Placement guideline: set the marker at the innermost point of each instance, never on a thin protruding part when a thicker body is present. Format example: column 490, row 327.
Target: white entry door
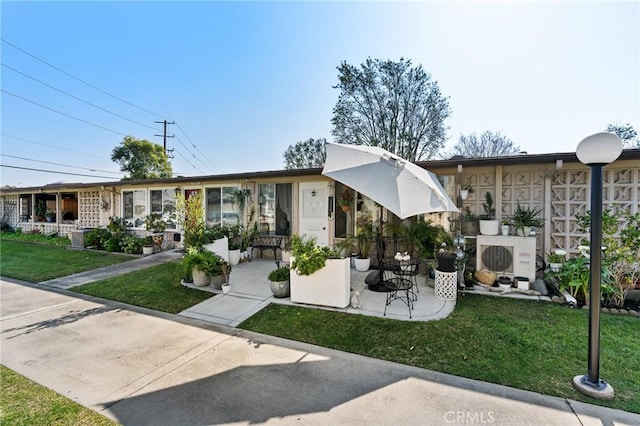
column 313, row 211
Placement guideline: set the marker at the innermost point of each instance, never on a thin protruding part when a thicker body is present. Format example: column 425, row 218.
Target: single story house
column 304, row 201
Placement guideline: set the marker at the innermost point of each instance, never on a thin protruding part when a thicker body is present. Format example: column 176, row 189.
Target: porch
column 250, row 292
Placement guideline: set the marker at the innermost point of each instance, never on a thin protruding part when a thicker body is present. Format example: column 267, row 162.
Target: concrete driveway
column 140, row 367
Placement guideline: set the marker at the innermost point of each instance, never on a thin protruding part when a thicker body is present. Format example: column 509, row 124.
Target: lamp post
column 596, row 151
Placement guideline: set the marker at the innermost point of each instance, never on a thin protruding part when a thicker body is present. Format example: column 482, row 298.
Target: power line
column 77, row 98
column 60, row 164
column 54, row 171
column 51, row 146
column 63, row 113
column 188, row 162
column 79, row 79
column 192, row 154
column 202, row 153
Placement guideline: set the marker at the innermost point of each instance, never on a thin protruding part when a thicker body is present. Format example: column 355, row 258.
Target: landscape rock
column 540, row 286
column 557, row 299
column 634, row 313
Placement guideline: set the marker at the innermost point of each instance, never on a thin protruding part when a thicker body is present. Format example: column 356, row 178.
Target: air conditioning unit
column 507, row 255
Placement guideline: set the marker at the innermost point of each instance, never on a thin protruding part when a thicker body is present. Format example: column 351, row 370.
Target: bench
column 266, row 242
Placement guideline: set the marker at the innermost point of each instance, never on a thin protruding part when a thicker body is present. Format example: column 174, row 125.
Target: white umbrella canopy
column 399, row 185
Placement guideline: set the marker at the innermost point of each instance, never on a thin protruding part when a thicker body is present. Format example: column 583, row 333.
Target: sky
column 245, row 80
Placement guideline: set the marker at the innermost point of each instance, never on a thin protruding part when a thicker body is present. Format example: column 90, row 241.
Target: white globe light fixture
column 601, row 148
column 596, row 151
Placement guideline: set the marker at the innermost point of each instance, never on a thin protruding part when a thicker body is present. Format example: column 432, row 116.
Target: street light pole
column 596, row 151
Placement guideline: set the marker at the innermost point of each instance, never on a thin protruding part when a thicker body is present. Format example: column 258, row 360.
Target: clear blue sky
column 246, row 80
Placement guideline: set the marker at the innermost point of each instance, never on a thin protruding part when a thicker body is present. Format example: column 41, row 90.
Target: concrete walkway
column 141, row 367
column 112, row 270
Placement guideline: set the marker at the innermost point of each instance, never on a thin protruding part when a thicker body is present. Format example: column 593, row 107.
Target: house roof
column 569, row 157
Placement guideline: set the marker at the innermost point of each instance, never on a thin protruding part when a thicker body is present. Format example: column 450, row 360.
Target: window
column 163, row 202
column 25, row 207
column 274, row 203
column 221, row 209
column 134, row 207
column 347, row 220
column 69, row 203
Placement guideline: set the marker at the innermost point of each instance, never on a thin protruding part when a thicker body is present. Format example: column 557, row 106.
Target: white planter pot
column 286, row 256
column 362, row 265
column 330, row 286
column 226, row 288
column 219, row 247
column 523, row 232
column 555, row 267
column 505, row 229
column 200, row 279
column 234, row 257
column 489, row 227
column 244, row 254
column 464, row 194
column 146, row 251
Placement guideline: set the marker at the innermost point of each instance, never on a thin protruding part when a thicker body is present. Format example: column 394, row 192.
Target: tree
column 305, row 154
column 489, row 144
column 141, row 159
column 391, row 105
column 626, row 133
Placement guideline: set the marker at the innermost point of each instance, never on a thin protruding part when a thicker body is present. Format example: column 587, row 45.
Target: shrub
column 114, row 243
column 280, row 274
column 308, row 256
column 131, row 244
column 97, row 238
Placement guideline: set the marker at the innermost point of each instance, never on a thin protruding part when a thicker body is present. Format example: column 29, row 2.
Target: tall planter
column 234, row 257
column 329, row 286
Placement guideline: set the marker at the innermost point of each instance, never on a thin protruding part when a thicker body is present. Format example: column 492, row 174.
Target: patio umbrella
column 397, row 184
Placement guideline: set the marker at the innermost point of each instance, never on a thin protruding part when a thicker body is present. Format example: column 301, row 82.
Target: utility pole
column 165, row 136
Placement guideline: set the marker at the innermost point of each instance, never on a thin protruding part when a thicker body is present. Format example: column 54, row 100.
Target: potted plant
column 468, row 222
column 466, row 189
column 235, row 244
column 318, row 275
column 147, row 246
column 365, row 235
column 49, row 215
column 345, row 200
column 279, row 279
column 285, row 250
column 556, row 259
column 524, row 218
column 225, row 271
column 41, row 209
column 488, row 223
column 446, row 259
column 199, row 266
column 504, row 227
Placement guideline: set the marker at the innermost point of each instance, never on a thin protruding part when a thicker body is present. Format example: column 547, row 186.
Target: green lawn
column 39, row 262
column 23, row 402
column 155, row 288
column 528, row 345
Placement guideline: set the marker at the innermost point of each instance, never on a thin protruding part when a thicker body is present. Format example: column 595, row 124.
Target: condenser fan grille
column 497, row 258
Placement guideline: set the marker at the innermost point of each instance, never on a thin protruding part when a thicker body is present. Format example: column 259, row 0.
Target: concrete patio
column 250, row 292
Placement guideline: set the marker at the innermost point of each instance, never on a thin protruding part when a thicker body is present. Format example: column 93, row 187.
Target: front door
column 313, row 211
